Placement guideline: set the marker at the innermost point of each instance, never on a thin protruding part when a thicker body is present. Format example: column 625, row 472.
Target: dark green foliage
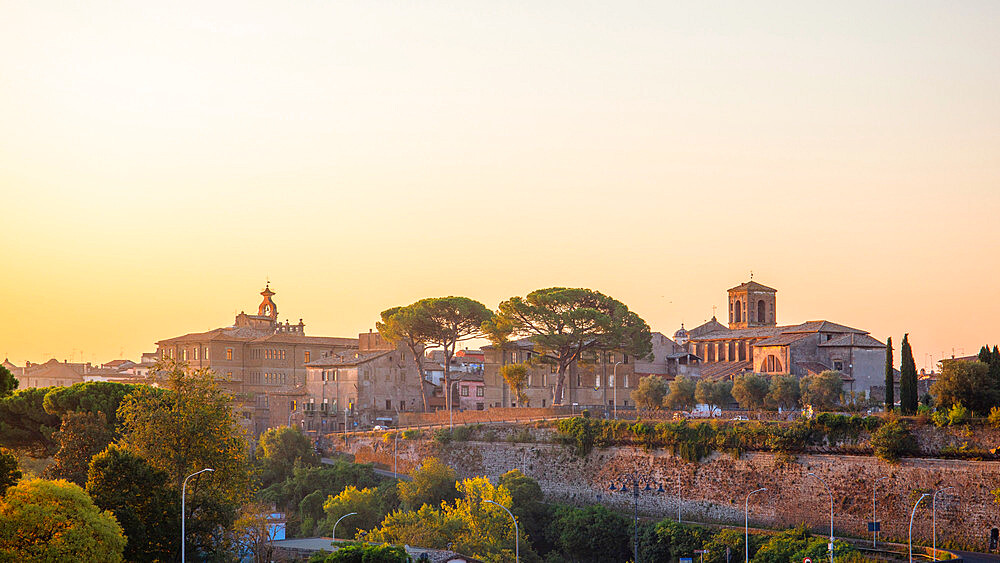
column 695, row 440
column 890, row 377
column 318, row 483
column 907, row 379
column 361, row 553
column 81, row 436
column 683, row 539
column 9, row 472
column 751, row 390
column 894, row 440
column 141, row 500
column 280, row 449
column 967, row 383
column 735, row 542
column 8, row 383
column 532, row 515
column 24, row 424
column 92, row 396
column 592, row 534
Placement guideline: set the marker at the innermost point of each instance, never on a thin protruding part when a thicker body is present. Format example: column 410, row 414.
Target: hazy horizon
column 159, row 162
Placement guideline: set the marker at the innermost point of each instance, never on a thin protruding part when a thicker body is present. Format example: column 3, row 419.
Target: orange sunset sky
column 158, row 161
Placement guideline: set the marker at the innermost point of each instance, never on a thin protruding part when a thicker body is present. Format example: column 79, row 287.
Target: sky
column 160, row 161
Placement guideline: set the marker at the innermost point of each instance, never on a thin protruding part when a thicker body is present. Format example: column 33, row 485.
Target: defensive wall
column 714, row 489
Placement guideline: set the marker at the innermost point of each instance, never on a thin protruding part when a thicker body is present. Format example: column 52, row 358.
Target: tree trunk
column 420, row 373
column 560, row 383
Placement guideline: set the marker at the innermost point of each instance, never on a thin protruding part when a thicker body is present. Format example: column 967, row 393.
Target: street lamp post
column 614, row 387
column 934, row 516
column 183, row 500
column 334, row 534
column 831, row 512
column 632, row 481
column 517, row 537
column 912, row 512
column 746, row 521
column 874, row 518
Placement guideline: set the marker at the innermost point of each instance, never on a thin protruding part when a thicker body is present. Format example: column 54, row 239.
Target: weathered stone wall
column 714, row 489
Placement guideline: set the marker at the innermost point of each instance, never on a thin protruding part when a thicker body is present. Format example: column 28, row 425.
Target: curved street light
column 934, row 516
column 517, row 537
column 874, row 518
column 831, row 512
column 746, row 521
column 334, row 533
column 912, row 512
column 183, row 495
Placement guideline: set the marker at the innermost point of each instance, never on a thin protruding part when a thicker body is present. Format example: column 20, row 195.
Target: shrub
column 893, row 440
column 958, row 414
column 522, row 437
column 994, row 418
column 461, row 433
column 412, row 434
column 442, row 436
column 940, row 418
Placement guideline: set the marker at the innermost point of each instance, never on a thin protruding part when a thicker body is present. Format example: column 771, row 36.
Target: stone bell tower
column 267, row 307
column 752, row 305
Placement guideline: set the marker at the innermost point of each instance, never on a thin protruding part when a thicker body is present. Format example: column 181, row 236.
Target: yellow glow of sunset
column 159, row 161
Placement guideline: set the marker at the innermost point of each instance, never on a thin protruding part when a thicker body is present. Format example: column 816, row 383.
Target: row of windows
column 609, row 358
column 267, row 378
column 198, row 353
column 480, row 391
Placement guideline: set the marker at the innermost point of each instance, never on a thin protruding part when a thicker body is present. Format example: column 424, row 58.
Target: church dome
column 681, row 333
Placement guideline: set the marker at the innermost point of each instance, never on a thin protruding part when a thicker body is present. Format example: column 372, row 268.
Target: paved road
column 972, row 557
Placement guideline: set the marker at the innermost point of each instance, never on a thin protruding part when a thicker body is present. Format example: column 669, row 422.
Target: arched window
column 772, row 364
column 738, row 311
column 760, row 311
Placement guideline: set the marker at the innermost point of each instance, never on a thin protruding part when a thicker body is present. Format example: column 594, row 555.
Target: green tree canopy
column 81, row 436
column 784, row 392
column 907, row 378
column 189, row 427
column 24, row 424
column 751, row 390
column 366, row 503
column 280, row 448
column 681, row 395
column 822, row 391
column 715, row 394
column 650, row 393
column 92, row 396
column 142, row 500
column 566, row 322
column 448, row 321
column 10, row 474
column 968, row 383
column 405, row 325
column 432, row 483
column 8, row 383
column 56, row 521
column 592, row 534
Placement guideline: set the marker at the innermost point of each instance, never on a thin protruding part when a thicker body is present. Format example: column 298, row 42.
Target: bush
column 958, row 414
column 461, row 433
column 412, row 434
column 893, row 440
column 939, row 418
column 442, row 436
column 994, row 418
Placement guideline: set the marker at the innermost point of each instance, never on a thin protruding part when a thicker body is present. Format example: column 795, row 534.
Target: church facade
column 754, row 342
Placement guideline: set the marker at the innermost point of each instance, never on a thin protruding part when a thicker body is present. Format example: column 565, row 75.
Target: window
column 760, row 311
column 388, row 404
column 625, row 358
column 839, row 366
column 465, row 391
column 738, row 312
column 828, row 337
column 479, row 406
column 307, row 356
column 771, row 364
column 195, row 351
column 184, row 355
column 611, row 358
column 229, row 353
column 513, row 357
column 479, row 391
column 402, row 405
column 206, row 352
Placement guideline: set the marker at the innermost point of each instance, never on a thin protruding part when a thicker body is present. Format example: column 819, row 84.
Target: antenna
column 751, row 275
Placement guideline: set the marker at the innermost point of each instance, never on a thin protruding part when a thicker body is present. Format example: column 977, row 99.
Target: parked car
column 379, row 428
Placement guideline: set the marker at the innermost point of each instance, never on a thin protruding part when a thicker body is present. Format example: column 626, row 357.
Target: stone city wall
column 714, row 489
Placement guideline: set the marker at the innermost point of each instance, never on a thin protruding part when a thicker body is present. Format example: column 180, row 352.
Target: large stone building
column 360, row 388
column 257, row 357
column 54, row 373
column 754, row 342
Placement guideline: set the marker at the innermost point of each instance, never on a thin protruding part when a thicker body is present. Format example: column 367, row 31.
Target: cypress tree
column 890, row 383
column 985, row 356
column 907, row 379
